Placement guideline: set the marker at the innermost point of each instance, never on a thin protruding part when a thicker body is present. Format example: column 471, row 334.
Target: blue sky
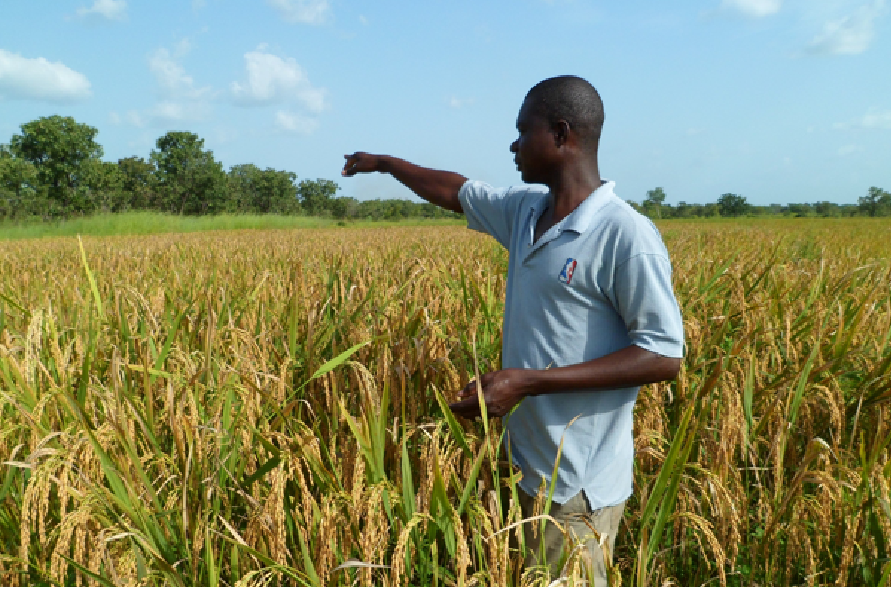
column 778, row 100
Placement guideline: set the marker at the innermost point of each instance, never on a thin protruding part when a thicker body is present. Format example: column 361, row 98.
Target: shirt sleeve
column 646, row 303
column 490, row 210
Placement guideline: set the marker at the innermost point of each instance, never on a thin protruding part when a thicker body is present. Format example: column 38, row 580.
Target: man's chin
column 528, row 178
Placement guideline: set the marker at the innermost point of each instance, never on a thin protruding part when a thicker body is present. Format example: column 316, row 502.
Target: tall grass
column 271, row 408
column 152, row 223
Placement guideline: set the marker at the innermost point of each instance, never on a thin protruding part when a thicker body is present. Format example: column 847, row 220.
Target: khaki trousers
column 577, row 519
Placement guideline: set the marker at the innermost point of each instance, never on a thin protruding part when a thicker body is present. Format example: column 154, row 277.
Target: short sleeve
column 646, row 303
column 490, row 210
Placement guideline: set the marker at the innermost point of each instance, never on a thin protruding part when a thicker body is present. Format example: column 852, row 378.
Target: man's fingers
column 349, row 166
column 468, row 408
column 468, row 390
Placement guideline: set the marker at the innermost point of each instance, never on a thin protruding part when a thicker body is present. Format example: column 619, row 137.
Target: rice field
column 270, row 408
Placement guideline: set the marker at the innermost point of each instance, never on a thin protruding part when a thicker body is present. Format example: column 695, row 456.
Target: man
column 589, row 314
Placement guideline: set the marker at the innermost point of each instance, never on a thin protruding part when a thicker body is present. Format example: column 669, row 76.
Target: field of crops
column 262, row 407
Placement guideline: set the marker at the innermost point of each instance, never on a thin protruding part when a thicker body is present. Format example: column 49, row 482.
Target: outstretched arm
column 631, row 366
column 435, row 186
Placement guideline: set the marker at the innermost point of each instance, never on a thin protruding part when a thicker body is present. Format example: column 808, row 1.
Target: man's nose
column 513, row 147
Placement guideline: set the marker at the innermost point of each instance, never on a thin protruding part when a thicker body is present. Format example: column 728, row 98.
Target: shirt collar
column 580, row 219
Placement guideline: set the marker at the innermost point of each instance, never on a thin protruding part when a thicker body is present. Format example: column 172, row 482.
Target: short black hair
column 572, row 99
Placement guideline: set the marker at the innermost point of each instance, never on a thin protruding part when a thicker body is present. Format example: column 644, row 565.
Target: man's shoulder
column 479, row 188
column 630, row 232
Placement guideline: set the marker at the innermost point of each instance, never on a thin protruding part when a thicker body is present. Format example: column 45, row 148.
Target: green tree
column 315, row 195
column 252, row 190
column 732, row 205
column 20, row 192
column 799, row 209
column 876, row 203
column 106, row 187
column 652, row 205
column 345, row 207
column 827, row 209
column 190, row 180
column 62, row 151
column 139, row 182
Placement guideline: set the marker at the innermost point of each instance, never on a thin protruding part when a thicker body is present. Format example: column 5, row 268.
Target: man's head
column 558, row 113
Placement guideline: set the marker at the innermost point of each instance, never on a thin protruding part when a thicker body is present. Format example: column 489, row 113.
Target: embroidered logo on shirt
column 568, row 269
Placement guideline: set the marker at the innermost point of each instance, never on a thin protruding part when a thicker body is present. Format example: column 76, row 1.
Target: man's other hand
column 361, row 162
column 502, row 390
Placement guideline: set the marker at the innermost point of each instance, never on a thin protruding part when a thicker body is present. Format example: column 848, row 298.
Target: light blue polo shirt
column 596, row 282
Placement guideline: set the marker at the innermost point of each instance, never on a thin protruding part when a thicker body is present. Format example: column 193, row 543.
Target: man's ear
column 561, row 133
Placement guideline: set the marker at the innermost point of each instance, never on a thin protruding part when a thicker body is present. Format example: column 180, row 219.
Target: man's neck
column 572, row 187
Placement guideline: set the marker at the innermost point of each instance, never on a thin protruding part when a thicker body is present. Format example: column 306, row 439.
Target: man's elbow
column 669, row 368
column 659, row 368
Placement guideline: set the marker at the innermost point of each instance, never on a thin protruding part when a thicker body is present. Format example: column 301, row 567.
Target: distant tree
column 191, row 181
column 827, row 209
column 652, row 205
column 19, row 188
column 315, row 195
column 876, row 203
column 710, row 210
column 799, row 209
column 105, row 183
column 61, row 150
column 732, row 205
column 345, row 207
column 139, row 182
column 16, row 174
column 262, row 191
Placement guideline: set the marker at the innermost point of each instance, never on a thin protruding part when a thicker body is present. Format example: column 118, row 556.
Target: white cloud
column 109, row 9
column 168, row 112
column 848, row 150
column 114, row 117
column 180, row 98
column 171, row 76
column 456, row 102
column 182, row 48
column 363, row 20
column 753, row 8
column 272, row 79
column 40, row 79
column 198, row 4
column 310, row 12
column 295, row 123
column 876, row 119
column 135, row 119
column 873, row 119
column 850, row 35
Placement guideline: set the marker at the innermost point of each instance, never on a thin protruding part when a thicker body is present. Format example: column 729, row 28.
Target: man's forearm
column 435, row 186
column 631, row 366
column 503, row 389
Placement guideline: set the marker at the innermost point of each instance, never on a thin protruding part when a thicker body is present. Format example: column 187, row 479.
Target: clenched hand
column 502, row 390
column 360, row 162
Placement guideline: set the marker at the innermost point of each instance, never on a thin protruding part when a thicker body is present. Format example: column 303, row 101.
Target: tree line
column 54, row 169
column 876, row 203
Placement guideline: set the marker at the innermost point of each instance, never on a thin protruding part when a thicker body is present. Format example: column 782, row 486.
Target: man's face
column 535, row 149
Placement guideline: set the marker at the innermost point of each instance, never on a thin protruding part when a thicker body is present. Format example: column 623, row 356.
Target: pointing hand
column 360, row 162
